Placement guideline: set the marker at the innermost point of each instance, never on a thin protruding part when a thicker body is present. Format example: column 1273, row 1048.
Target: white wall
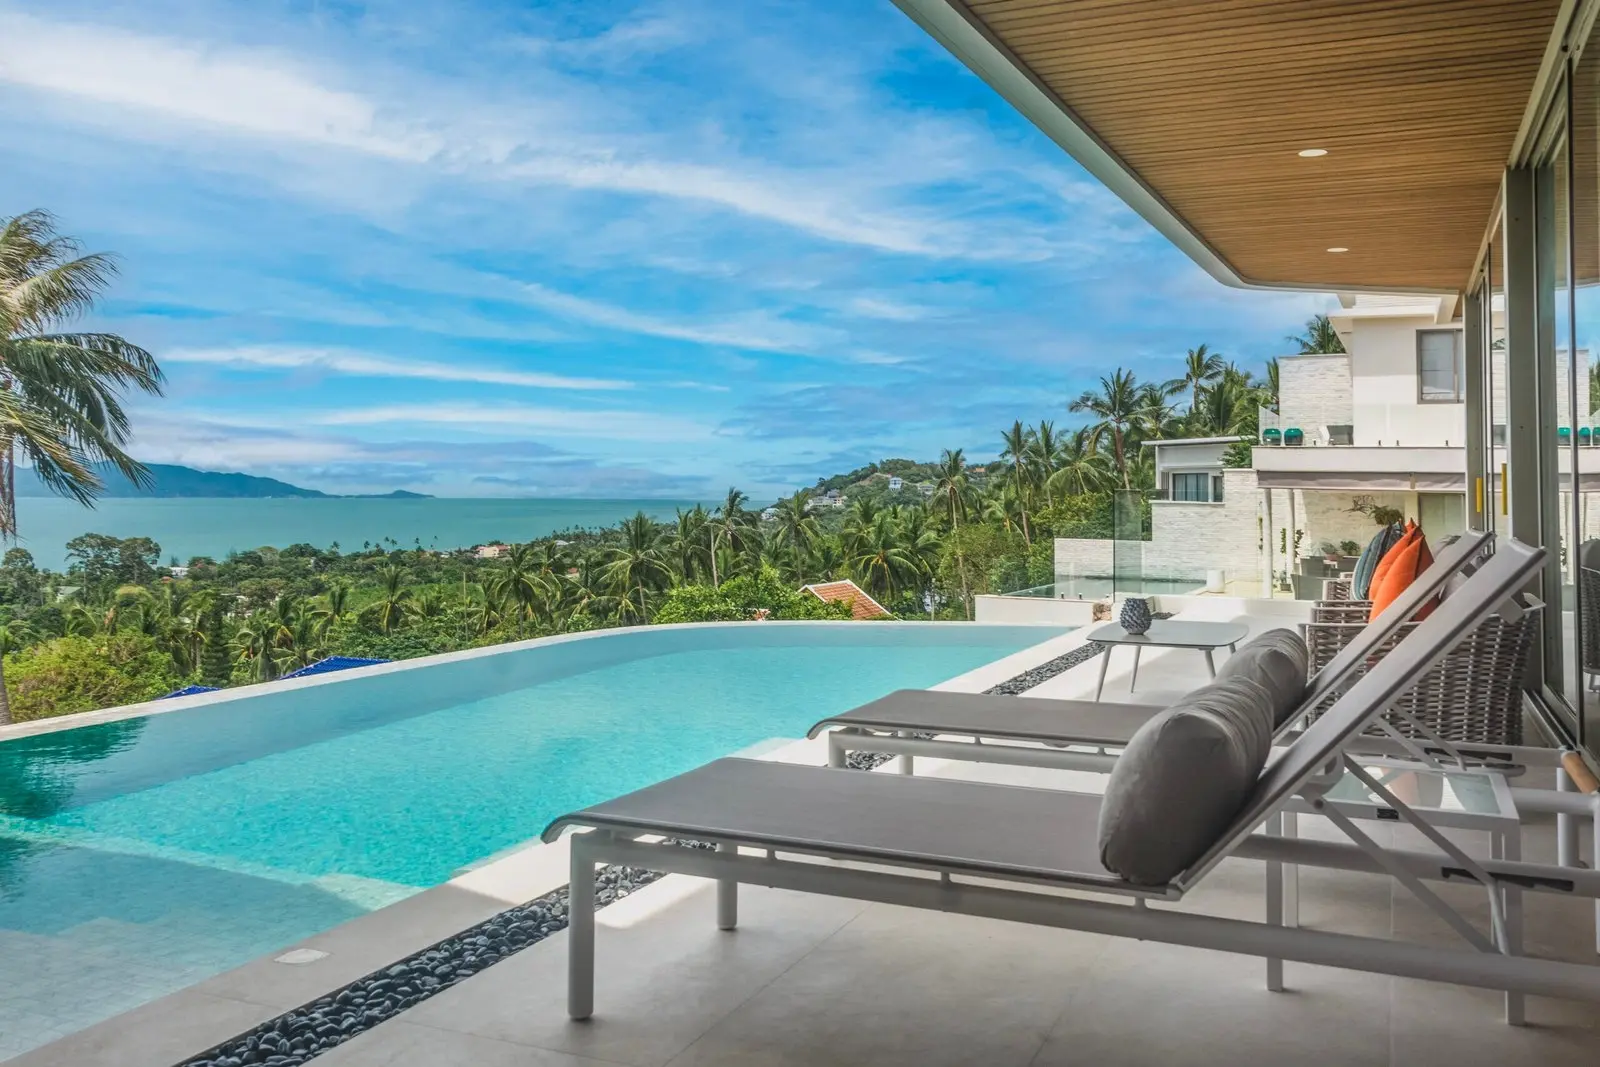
column 1325, row 515
column 1384, row 388
column 1027, row 609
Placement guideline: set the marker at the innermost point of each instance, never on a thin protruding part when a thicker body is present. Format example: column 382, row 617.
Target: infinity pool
column 142, row 855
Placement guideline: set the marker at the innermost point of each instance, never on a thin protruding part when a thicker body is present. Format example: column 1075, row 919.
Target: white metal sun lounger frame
column 1306, row 769
column 1461, row 557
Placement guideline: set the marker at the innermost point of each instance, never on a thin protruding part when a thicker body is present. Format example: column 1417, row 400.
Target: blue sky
column 582, row 248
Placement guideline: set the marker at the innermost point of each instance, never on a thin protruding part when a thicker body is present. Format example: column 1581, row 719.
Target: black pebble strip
column 312, row 1029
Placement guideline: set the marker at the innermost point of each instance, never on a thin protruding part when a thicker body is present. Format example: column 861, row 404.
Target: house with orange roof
column 862, row 606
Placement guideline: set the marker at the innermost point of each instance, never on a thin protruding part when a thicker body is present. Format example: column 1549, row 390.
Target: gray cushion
column 1367, row 563
column 1278, row 659
column 1183, row 777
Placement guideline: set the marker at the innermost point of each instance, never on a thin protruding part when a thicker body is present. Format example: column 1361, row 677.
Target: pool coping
column 187, row 1021
column 165, row 705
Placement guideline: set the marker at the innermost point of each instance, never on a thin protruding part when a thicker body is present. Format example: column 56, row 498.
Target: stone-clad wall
column 1314, row 391
column 1187, row 539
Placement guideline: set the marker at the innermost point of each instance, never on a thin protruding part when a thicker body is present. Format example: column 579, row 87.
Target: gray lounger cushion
column 1183, row 778
column 1278, row 659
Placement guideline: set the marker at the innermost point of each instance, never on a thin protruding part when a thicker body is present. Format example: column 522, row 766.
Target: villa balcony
column 812, row 980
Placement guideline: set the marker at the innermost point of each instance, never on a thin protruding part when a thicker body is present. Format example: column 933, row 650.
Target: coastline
column 214, row 526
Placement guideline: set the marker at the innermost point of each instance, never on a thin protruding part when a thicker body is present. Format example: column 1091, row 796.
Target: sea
column 186, row 527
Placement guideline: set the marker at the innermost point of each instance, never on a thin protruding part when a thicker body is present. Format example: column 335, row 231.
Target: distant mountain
column 175, row 481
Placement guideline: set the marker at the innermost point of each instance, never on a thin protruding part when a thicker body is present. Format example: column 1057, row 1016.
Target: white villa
column 1382, row 424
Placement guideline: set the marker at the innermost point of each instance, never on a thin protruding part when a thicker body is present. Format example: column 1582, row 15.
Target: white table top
column 1174, row 633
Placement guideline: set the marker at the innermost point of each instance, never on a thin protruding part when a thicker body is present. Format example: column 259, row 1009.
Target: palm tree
column 635, row 567
column 881, row 559
column 391, row 606
column 1116, row 406
column 727, row 524
column 1018, row 443
column 1046, row 451
column 687, row 546
column 488, row 610
column 14, row 635
column 253, row 641
column 796, row 528
column 858, row 520
column 1320, row 337
column 1201, row 367
column 952, row 492
column 1156, row 418
column 517, row 584
column 336, row 604
column 1082, row 466
column 60, row 393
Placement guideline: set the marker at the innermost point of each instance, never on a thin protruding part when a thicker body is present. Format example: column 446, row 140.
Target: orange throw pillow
column 1413, row 559
column 1381, row 572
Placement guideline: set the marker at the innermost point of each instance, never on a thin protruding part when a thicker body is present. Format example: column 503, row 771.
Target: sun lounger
column 890, row 723
column 1000, row 851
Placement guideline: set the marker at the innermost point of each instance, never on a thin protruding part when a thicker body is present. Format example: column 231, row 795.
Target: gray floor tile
column 402, row 1044
column 902, row 987
column 660, row 983
column 1158, row 1005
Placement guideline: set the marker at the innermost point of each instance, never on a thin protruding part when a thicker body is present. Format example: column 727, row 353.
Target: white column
column 1268, row 533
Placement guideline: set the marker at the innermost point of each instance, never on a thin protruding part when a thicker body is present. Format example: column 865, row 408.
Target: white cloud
column 255, row 92
column 757, row 331
column 404, row 119
column 877, row 307
column 346, row 361
column 547, row 421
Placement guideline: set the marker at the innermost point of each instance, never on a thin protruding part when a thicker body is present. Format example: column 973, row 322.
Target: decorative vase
column 1135, row 615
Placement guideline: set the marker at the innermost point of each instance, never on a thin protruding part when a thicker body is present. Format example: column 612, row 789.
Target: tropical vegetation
column 921, row 538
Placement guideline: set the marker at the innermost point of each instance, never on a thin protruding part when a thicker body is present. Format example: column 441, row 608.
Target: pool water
column 140, row 856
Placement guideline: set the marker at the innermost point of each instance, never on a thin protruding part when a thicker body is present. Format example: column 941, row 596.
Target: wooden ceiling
column 1418, row 103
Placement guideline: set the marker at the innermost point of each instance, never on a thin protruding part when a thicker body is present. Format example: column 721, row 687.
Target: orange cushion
column 1382, row 570
column 1414, row 558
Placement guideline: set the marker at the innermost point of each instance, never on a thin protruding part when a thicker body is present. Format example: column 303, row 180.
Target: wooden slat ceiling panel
column 1208, row 101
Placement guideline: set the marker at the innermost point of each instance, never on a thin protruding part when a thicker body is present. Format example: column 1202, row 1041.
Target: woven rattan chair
column 1589, row 599
column 1474, row 695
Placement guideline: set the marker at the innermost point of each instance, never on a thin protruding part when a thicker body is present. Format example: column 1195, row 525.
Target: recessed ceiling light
column 1312, row 153
column 1338, row 248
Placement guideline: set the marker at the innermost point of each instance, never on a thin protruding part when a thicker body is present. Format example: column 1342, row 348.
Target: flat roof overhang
column 1194, row 111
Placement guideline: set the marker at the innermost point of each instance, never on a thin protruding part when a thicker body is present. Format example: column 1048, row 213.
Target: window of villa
column 1216, row 488
column 1441, row 367
column 1193, row 487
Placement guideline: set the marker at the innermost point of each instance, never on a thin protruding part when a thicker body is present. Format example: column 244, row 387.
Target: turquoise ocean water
column 207, row 527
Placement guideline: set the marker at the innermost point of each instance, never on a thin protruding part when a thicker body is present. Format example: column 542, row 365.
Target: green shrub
column 68, row 674
column 743, row 598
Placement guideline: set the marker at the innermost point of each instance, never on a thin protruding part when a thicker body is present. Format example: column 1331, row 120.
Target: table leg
column 1133, row 683
column 1105, row 661
column 1211, row 664
column 1510, row 848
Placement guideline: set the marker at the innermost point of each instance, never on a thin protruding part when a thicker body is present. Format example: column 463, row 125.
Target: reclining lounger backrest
column 1513, row 565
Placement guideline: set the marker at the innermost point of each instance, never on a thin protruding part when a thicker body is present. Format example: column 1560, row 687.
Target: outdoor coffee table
column 1167, row 633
